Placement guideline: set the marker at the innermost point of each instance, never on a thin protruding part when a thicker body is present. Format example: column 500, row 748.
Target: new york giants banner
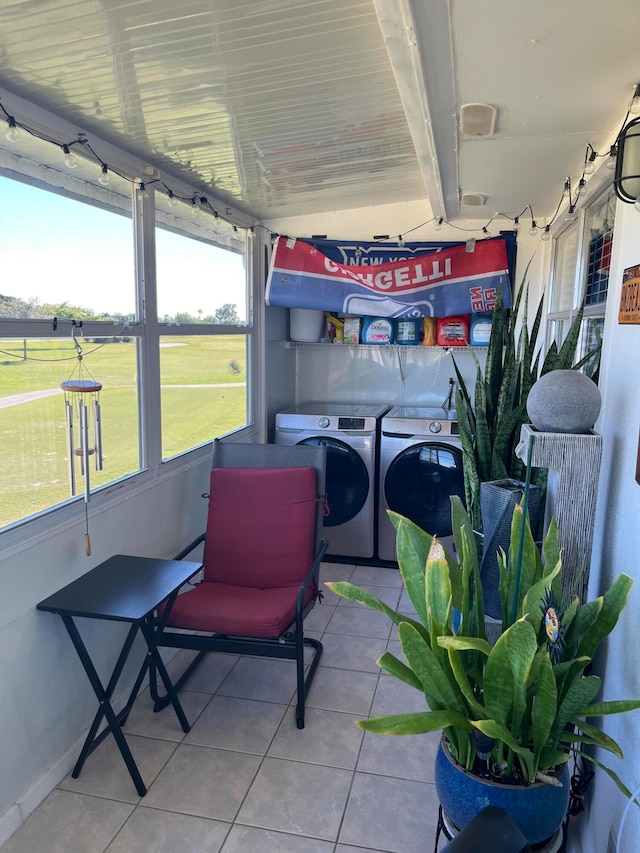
column 439, row 283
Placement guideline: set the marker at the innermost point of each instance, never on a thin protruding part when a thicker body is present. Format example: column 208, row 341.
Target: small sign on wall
column 630, row 297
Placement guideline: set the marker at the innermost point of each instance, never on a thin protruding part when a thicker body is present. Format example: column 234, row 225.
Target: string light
column 199, row 203
column 70, row 160
column 142, row 191
column 590, row 161
column 13, row 133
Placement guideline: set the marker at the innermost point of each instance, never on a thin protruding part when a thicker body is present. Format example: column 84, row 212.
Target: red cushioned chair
column 262, row 553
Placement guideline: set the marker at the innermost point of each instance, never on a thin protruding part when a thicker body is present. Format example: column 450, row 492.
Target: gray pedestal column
column 575, row 457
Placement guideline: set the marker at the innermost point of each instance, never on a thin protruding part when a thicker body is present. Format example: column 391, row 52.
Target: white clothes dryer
column 420, row 467
column 350, row 432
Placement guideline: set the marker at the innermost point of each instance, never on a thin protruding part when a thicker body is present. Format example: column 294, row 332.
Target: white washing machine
column 350, row 432
column 420, row 467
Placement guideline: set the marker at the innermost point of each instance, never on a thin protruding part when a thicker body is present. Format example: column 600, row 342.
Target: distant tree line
column 31, row 309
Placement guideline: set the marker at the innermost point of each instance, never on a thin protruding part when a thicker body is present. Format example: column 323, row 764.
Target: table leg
column 154, row 655
column 104, row 697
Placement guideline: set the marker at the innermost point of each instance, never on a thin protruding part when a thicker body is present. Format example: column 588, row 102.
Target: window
column 581, row 272
column 68, row 259
column 69, row 252
column 202, row 290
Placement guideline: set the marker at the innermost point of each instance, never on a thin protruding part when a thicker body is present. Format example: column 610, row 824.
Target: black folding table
column 122, row 589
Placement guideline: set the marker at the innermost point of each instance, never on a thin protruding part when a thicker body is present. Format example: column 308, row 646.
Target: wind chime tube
column 97, row 434
column 84, row 447
column 70, row 445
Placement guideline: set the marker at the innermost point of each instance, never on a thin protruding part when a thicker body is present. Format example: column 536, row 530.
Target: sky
column 57, row 249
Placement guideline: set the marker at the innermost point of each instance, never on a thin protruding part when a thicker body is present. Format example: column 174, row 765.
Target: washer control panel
column 435, row 427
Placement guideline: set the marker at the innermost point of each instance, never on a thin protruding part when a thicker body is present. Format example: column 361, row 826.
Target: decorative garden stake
column 82, row 403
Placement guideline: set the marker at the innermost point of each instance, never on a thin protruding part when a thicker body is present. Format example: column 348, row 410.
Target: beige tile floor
column 244, row 778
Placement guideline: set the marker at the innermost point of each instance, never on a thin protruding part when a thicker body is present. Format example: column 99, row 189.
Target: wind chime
column 82, row 412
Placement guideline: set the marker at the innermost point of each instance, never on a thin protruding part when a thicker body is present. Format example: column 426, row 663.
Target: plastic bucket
column 306, row 325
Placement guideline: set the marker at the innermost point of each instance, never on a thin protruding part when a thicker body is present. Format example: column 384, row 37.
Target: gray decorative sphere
column 564, row 401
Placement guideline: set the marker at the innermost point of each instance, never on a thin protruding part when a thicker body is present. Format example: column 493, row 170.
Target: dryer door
column 347, row 480
column 419, row 482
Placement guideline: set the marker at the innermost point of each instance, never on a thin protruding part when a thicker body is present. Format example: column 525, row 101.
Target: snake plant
column 530, row 694
column 490, row 425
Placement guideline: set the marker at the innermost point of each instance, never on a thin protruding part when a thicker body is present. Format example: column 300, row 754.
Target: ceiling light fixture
column 627, row 177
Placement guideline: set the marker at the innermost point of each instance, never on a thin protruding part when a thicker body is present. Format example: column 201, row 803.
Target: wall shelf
column 378, row 347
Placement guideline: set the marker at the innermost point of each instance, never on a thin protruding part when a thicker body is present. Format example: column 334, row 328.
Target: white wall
column 617, row 546
column 416, row 375
column 46, row 702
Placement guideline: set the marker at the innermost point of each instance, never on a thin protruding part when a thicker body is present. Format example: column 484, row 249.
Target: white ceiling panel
column 291, row 107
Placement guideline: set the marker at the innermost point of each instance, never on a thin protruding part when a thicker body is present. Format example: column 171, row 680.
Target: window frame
column 559, row 322
column 147, row 330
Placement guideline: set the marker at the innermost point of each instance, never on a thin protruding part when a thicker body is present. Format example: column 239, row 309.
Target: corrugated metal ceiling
column 281, row 107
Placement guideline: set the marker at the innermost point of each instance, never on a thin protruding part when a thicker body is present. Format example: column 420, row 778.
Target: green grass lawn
column 33, row 466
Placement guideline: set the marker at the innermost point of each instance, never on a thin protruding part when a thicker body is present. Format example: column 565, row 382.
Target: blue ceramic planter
column 538, row 809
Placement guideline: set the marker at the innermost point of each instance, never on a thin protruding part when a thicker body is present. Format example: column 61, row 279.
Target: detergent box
column 408, row 331
column 377, row 330
column 351, row 333
column 453, row 331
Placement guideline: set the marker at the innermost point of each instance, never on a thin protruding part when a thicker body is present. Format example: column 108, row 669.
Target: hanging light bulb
column 251, row 234
column 582, row 185
column 438, row 225
column 611, row 159
column 571, row 214
column 70, row 160
column 485, row 231
column 516, row 224
column 173, row 201
column 104, row 177
column 590, row 165
column 216, row 216
column 637, row 205
column 634, row 106
column 142, row 191
column 13, row 132
column 195, row 207
column 534, row 228
column 546, row 234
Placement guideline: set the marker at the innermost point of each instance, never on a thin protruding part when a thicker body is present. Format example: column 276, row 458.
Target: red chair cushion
column 260, row 527
column 223, row 609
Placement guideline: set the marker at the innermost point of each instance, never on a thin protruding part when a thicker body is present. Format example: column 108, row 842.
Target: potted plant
column 512, row 714
column 490, row 424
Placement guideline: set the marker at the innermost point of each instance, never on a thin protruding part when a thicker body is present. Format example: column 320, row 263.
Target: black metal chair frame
column 290, row 645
